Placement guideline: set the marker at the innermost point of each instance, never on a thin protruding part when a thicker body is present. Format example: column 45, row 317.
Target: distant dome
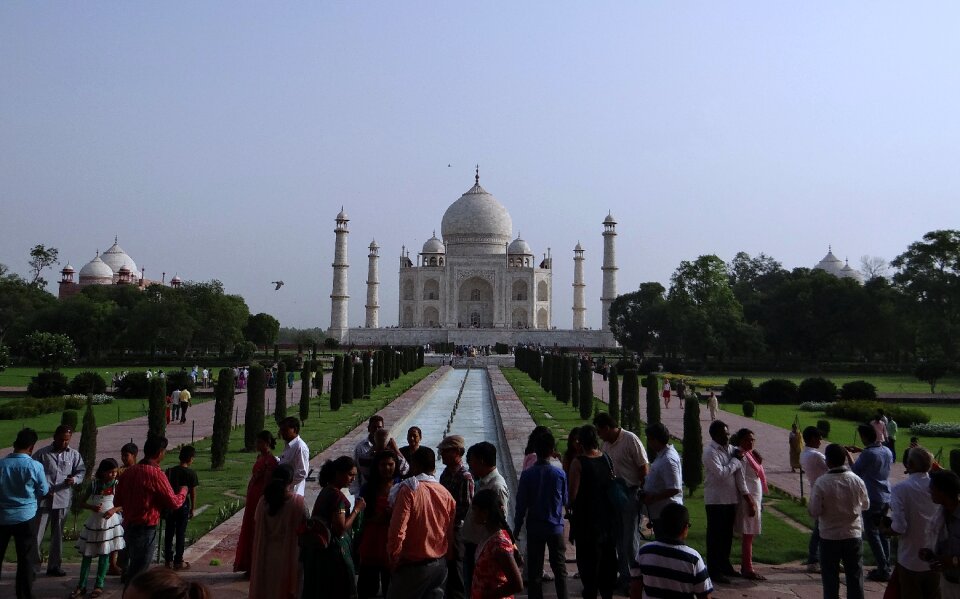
column 116, row 259
column 579, row 247
column 519, row 246
column 477, row 218
column 67, row 269
column 175, row 280
column 830, row 264
column 609, row 220
column 96, row 269
column 433, row 246
column 849, row 273
column 342, row 215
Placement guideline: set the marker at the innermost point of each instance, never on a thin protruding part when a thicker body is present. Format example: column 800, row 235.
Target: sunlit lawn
column 885, row 383
column 779, row 543
column 221, row 492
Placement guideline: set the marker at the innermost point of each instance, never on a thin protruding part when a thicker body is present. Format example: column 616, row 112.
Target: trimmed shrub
column 368, row 373
column 859, row 390
column 631, row 401
column 280, row 409
column 254, row 413
column 70, row 418
column 546, row 376
column 180, row 379
column 223, row 411
column 574, row 382
column 586, row 393
column 692, row 464
column 87, row 382
column 47, row 383
column 563, row 382
column 739, row 390
column 653, row 398
column 501, row 348
column 336, row 383
column 824, row 427
column 814, row 406
column 134, row 385
column 318, row 379
column 88, row 440
column 817, row 389
column 749, row 408
column 157, row 408
column 864, row 411
column 305, row 393
column 358, row 380
column 936, row 429
column 346, row 390
column 614, row 394
column 777, row 391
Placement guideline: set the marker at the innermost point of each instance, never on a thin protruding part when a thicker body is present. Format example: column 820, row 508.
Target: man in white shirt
column 482, row 460
column 364, row 451
column 631, row 464
column 296, row 454
column 175, row 405
column 813, row 465
column 722, row 487
column 914, row 516
column 664, row 482
column 837, row 501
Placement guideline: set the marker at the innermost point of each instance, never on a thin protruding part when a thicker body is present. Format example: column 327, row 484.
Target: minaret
column 373, row 287
column 579, row 308
column 340, row 296
column 609, row 270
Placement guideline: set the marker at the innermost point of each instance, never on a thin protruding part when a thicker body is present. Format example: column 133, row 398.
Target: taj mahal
column 476, row 284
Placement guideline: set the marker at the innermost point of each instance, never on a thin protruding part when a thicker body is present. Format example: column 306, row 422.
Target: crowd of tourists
column 125, row 501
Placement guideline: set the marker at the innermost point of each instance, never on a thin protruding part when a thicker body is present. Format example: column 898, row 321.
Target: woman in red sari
column 262, row 471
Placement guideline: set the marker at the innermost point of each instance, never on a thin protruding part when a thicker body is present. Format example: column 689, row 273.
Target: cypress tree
column 223, row 411
column 305, row 392
column 318, row 378
column 631, row 401
column 395, row 361
column 157, row 408
column 280, row 409
column 563, row 382
column 88, row 438
column 614, row 407
column 691, row 459
column 536, row 368
column 253, row 414
column 276, row 352
column 586, row 392
column 556, row 375
column 574, row 381
column 546, row 377
column 346, row 393
column 367, row 374
column 336, row 385
column 377, row 368
column 653, row 399
column 420, row 357
column 357, row 380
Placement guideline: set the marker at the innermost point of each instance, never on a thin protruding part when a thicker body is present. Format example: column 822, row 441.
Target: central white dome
column 116, row 259
column 477, row 218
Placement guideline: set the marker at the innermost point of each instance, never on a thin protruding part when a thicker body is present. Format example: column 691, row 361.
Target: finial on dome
column 476, row 178
column 829, row 248
column 115, row 240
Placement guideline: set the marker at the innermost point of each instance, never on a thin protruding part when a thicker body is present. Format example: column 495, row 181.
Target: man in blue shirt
column 541, row 497
column 873, row 466
column 22, row 484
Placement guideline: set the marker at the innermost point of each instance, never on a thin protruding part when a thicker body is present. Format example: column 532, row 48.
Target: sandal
column 96, row 593
column 752, row 575
column 77, row 593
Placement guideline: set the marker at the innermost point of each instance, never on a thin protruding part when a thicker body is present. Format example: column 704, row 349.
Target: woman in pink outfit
column 275, row 571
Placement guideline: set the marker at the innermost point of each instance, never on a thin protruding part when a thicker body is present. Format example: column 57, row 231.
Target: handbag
column 617, row 491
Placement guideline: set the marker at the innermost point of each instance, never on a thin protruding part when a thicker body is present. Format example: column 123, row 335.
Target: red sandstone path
column 786, row 581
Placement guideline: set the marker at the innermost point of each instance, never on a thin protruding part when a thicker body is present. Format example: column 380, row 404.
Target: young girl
column 102, row 533
column 496, row 573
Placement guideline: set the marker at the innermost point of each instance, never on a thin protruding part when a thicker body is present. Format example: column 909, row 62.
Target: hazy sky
column 219, row 139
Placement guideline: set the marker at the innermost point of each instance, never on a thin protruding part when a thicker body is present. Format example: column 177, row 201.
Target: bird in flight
column 278, row 284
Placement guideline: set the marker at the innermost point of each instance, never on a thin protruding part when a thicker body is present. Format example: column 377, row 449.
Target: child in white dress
column 103, row 532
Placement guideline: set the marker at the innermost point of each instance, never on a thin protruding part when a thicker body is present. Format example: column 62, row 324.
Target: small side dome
column 176, row 280
column 67, row 269
column 434, row 246
column 519, row 247
column 342, row 215
column 124, row 270
column 609, row 220
column 849, row 273
column 579, row 247
column 96, row 269
column 830, row 263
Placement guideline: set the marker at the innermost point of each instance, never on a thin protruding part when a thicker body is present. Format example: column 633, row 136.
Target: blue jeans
column 141, row 545
column 879, row 544
column 850, row 552
column 628, row 545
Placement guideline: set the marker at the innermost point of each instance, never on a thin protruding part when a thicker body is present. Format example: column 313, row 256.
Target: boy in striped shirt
column 668, row 568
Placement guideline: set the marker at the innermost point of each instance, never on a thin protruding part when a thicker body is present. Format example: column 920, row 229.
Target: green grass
column 885, row 383
column 21, row 375
column 844, row 431
column 223, row 491
column 779, row 543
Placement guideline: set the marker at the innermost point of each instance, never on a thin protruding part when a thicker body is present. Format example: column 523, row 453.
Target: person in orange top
column 421, row 528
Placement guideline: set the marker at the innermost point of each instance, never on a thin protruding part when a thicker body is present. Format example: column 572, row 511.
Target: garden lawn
column 221, row 492
column 20, row 376
column 844, row 431
column 779, row 543
column 885, row 383
column 118, row 411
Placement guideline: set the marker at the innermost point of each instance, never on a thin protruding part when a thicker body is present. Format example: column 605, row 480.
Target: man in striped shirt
column 667, row 567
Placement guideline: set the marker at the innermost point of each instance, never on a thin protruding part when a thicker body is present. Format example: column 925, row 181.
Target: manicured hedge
column 817, row 389
column 858, row 390
column 864, row 411
column 777, row 391
column 739, row 391
column 87, row 382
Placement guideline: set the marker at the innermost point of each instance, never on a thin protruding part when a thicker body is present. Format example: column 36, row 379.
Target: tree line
column 753, row 309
